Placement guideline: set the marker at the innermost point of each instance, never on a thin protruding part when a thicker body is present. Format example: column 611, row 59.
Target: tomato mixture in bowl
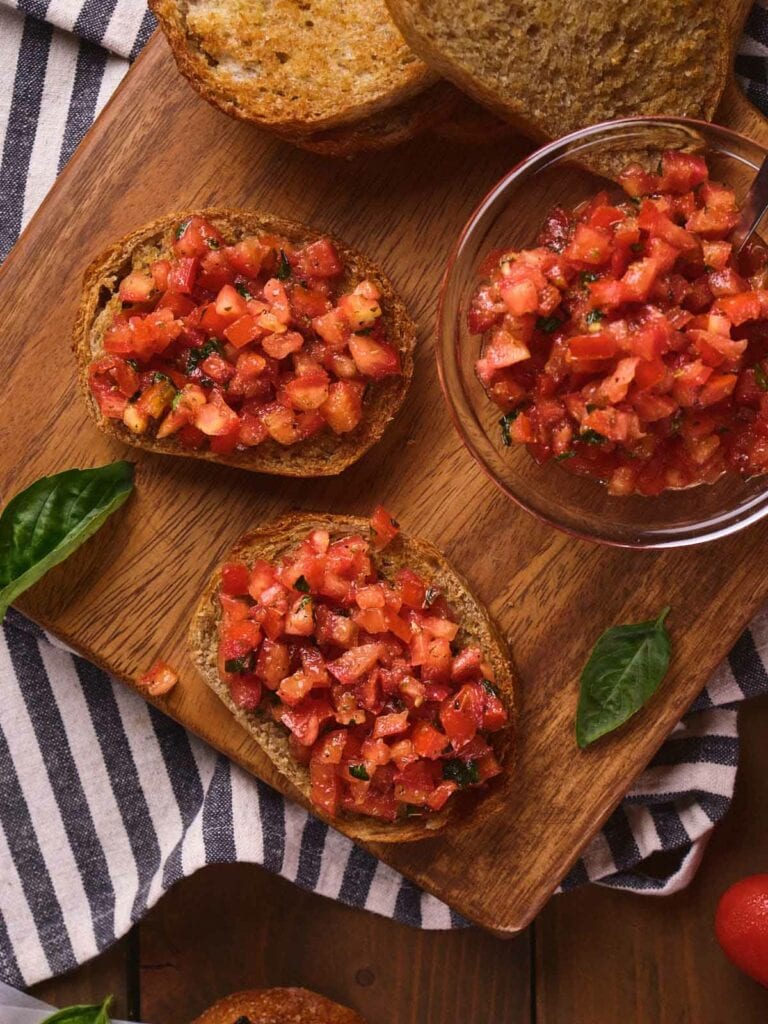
column 390, row 714
column 228, row 345
column 630, row 344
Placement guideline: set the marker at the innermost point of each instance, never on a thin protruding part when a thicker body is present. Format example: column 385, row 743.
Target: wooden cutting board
column 126, row 597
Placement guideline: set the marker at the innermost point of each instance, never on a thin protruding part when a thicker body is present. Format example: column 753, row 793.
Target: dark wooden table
column 592, row 957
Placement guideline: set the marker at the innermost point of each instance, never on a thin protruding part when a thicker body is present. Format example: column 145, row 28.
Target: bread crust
column 310, row 98
column 278, row 1006
column 493, row 56
column 277, row 538
column 325, row 454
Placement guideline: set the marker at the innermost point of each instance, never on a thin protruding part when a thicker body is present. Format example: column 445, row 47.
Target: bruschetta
column 242, row 338
column 361, row 663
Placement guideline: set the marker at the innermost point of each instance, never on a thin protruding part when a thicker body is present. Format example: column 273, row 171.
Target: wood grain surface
column 126, row 597
column 592, row 957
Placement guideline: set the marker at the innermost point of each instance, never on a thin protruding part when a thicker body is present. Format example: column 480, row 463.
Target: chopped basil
column 591, row 437
column 587, row 277
column 364, row 330
column 565, row 455
column 591, row 407
column 358, row 771
column 761, row 378
column 176, row 400
column 132, row 363
column 505, row 422
column 548, row 324
column 302, row 585
column 594, row 316
column 636, row 248
column 432, row 593
column 283, row 267
column 158, row 377
column 489, row 687
column 239, row 665
column 181, row 229
column 464, row 773
column 635, row 200
column 212, row 243
column 708, row 269
column 195, row 356
column 242, row 288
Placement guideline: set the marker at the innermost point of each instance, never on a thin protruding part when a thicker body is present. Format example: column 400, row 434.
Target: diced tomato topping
column 605, row 342
column 360, row 672
column 278, row 346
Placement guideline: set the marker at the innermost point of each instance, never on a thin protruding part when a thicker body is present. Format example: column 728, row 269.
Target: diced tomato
column 138, row 286
column 384, row 527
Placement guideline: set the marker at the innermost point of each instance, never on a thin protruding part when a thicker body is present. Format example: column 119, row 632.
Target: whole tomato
column 741, row 926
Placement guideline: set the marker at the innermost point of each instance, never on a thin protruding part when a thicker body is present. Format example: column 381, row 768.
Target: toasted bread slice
column 551, row 67
column 442, row 108
column 278, row 538
column 388, row 128
column 278, row 1006
column 324, row 454
column 292, row 66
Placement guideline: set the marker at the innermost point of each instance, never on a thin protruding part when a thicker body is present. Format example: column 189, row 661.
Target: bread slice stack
column 339, row 77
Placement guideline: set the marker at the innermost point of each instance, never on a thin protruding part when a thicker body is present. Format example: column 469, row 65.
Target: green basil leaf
column 761, row 378
column 283, row 271
column 624, row 670
column 358, row 771
column 82, row 1014
column 44, row 524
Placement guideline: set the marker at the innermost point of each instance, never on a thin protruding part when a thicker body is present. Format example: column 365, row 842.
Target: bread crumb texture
column 301, row 63
column 556, row 67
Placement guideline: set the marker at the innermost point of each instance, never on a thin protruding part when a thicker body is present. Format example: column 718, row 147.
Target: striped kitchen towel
column 104, row 802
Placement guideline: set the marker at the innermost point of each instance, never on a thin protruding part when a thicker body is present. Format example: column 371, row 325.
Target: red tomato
column 741, row 926
column 384, row 527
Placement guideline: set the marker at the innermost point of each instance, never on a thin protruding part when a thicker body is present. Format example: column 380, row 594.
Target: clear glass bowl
column 511, row 216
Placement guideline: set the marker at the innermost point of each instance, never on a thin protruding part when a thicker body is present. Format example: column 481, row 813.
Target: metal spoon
column 753, row 208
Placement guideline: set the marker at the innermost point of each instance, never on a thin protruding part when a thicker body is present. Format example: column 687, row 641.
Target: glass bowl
column 511, row 216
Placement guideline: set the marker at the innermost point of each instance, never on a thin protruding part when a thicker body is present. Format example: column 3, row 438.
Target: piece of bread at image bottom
column 278, row 1006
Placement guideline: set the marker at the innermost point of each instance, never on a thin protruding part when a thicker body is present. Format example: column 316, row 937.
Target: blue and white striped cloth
column 104, row 802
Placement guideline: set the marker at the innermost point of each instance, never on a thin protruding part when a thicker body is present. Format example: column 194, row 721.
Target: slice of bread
column 277, row 1006
column 389, row 127
column 277, row 538
column 325, row 454
column 293, row 65
column 552, row 67
column 442, row 108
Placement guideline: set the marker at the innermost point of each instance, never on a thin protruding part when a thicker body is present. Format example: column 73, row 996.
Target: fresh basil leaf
column 564, row 456
column 82, row 1014
column 463, row 773
column 594, row 316
column 489, row 687
column 587, row 277
column 761, row 378
column 359, row 771
column 44, row 524
column 430, row 596
column 302, row 585
column 624, row 670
